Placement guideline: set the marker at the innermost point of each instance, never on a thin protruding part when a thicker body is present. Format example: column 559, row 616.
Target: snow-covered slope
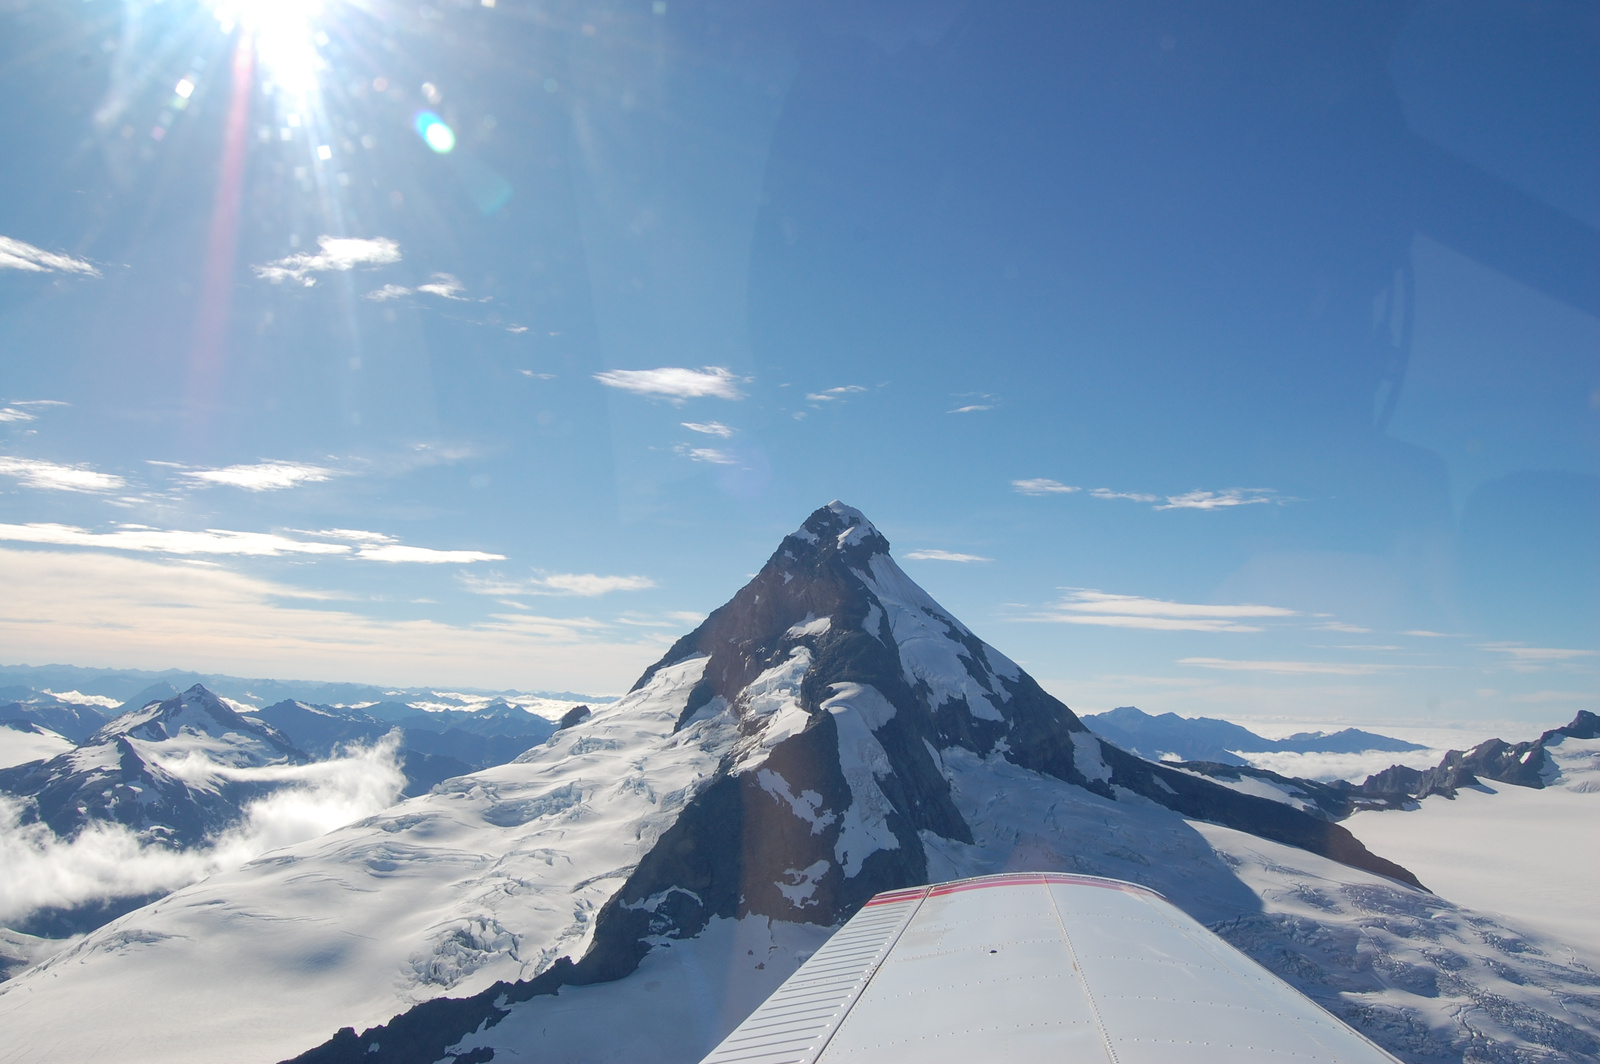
column 22, row 741
column 829, row 733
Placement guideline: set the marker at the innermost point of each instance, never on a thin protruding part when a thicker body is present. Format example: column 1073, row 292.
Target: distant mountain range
column 1171, row 737
column 136, row 687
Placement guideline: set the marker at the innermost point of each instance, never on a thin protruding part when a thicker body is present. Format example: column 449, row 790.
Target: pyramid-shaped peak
column 843, row 528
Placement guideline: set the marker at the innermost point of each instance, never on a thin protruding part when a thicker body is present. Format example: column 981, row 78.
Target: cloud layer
column 944, row 556
column 107, row 861
column 337, row 253
column 674, row 382
column 134, row 610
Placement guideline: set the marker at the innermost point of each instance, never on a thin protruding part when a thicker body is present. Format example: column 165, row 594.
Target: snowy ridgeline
column 829, row 733
column 144, row 800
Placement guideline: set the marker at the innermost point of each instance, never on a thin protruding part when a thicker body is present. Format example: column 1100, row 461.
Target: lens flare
column 434, row 133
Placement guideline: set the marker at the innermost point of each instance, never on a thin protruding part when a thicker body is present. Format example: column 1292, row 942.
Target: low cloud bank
column 108, row 861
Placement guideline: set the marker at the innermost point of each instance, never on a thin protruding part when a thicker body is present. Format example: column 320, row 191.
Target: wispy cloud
column 399, row 552
column 1337, row 626
column 709, row 428
column 834, row 394
column 1084, row 606
column 443, row 285
column 13, row 411
column 1524, row 658
column 337, row 253
column 944, row 556
column 971, row 408
column 16, row 255
column 388, row 292
column 675, row 382
column 1042, row 486
column 216, row 541
column 584, row 585
column 1288, row 668
column 263, row 476
column 707, row 454
column 1218, row 500
column 1195, row 500
column 1132, row 496
column 50, row 476
column 977, row 401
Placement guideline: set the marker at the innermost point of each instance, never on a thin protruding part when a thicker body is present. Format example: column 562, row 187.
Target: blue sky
column 1243, row 363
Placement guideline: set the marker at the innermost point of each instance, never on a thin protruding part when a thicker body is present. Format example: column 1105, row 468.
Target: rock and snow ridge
column 128, row 772
column 764, row 778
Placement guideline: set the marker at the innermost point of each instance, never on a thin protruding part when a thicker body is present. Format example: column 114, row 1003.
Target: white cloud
column 586, row 585
column 1134, row 496
column 443, row 285
column 1337, row 626
column 1216, row 500
column 11, row 413
column 707, row 454
column 971, row 408
column 1042, row 486
column 50, row 476
column 395, row 552
column 675, row 382
column 944, row 556
column 1083, row 606
column 709, row 428
column 263, row 476
column 15, row 255
column 832, row 394
column 1194, row 500
column 338, row 253
column 108, row 860
column 1291, row 668
column 388, row 292
column 159, row 541
column 355, row 535
column 372, row 546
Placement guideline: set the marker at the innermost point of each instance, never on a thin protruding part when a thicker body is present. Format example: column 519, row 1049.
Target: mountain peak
column 842, row 528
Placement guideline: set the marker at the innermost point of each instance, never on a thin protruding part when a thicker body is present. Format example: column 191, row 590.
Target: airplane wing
column 1036, row 967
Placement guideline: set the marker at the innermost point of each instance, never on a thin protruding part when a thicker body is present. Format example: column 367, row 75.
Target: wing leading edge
column 1036, row 967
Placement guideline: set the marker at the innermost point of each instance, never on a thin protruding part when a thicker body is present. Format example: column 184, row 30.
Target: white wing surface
column 1036, row 967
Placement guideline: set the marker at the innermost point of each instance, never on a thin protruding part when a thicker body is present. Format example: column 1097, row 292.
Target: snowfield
column 1531, row 856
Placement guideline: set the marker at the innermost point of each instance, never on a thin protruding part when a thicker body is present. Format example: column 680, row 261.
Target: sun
column 286, row 34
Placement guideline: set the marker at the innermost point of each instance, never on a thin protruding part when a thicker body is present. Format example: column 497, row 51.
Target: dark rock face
column 1520, row 764
column 110, row 778
column 816, row 812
